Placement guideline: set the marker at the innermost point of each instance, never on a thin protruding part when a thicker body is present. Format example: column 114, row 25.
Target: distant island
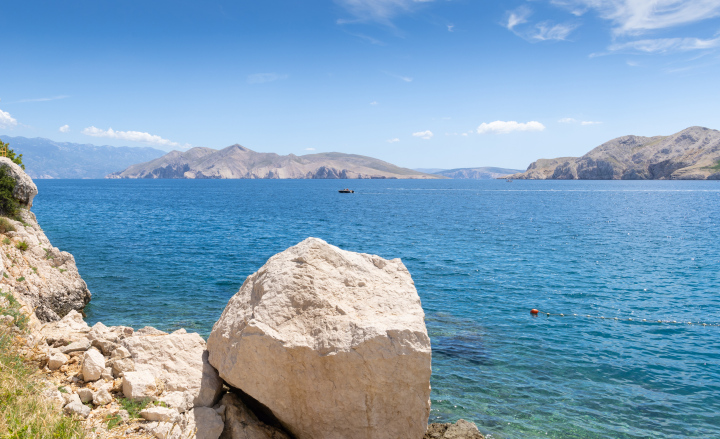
column 45, row 158
column 236, row 161
column 482, row 173
column 691, row 154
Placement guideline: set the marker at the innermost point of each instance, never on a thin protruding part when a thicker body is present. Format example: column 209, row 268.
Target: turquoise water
column 170, row 253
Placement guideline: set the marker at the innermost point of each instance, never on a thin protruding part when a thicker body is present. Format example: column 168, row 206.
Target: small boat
column 346, row 191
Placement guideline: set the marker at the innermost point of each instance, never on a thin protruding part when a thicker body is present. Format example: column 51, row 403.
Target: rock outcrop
column 332, row 342
column 239, row 162
column 43, row 277
column 691, row 154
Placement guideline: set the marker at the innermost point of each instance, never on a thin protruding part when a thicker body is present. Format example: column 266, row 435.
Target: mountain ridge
column 690, row 154
column 239, row 162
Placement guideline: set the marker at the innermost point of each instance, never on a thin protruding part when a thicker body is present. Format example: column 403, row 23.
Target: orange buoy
column 534, row 311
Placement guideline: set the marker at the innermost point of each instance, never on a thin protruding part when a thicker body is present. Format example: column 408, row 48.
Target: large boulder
column 332, row 342
column 25, row 189
column 179, row 360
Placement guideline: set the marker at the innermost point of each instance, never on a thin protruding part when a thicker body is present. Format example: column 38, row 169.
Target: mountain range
column 691, row 154
column 483, row 173
column 236, row 161
column 45, row 158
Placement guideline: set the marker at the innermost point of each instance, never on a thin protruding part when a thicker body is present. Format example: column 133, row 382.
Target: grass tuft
column 24, row 412
column 134, row 407
column 6, row 225
column 22, row 246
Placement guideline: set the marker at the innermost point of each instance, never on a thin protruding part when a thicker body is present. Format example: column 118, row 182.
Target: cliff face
column 41, row 275
column 239, row 162
column 691, row 154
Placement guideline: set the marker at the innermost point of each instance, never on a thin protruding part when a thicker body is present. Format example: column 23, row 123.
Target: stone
column 205, row 422
column 462, row 429
column 124, row 415
column 241, row 423
column 164, row 430
column 121, row 366
column 120, row 353
column 181, row 401
column 149, row 330
column 139, row 385
column 107, row 347
column 93, row 365
column 85, row 394
column 77, row 408
column 70, row 328
column 76, row 346
column 71, row 397
column 122, row 331
column 332, row 342
column 102, row 397
column 160, row 414
column 179, row 361
column 56, row 359
column 107, row 374
column 54, row 397
column 25, row 189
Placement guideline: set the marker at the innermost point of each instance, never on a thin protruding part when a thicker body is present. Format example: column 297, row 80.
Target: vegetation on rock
column 16, row 158
column 8, row 203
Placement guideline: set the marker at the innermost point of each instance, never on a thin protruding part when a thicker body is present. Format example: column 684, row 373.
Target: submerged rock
column 462, row 429
column 332, row 342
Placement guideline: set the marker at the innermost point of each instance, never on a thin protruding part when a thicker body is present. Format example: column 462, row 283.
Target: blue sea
column 170, row 253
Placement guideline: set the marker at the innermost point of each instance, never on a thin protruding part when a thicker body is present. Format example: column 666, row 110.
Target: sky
column 418, row 83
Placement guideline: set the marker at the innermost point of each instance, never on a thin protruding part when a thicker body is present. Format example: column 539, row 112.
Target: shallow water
column 170, row 253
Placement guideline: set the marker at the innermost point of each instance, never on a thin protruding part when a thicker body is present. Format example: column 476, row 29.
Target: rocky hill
column 239, row 162
column 484, row 173
column 691, row 154
column 45, row 158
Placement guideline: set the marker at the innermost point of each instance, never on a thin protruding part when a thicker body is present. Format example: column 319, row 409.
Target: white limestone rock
column 139, row 385
column 85, row 394
column 54, row 397
column 25, row 189
column 76, row 346
column 204, row 422
column 56, row 360
column 69, row 329
column 93, row 365
column 160, row 414
column 102, row 397
column 181, row 401
column 179, row 361
column 332, row 342
column 77, row 408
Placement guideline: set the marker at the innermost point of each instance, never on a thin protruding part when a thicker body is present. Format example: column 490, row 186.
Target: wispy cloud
column 54, row 98
column 261, row 78
column 64, row 128
column 581, row 122
column 503, row 127
column 400, row 77
column 7, row 121
column 380, row 11
column 517, row 21
column 373, row 103
column 309, row 149
column 393, row 140
column 450, row 27
column 665, row 45
column 427, row 135
column 633, row 17
column 133, row 136
column 368, row 38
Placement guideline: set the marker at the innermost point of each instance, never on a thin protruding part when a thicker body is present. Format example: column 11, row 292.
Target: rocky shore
column 318, row 343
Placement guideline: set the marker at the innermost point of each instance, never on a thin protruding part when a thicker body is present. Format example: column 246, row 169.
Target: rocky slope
column 483, row 173
column 691, row 154
column 45, row 158
column 239, row 162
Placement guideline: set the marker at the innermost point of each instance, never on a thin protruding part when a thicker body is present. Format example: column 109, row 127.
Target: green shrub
column 16, row 158
column 8, row 203
column 134, row 407
column 20, row 279
column 5, row 275
column 113, row 421
column 6, row 225
column 34, row 269
column 6, row 241
column 22, row 246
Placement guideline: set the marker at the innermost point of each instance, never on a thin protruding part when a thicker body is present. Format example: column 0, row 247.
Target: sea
column 628, row 271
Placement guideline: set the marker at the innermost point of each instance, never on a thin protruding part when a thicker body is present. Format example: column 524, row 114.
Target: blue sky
column 433, row 83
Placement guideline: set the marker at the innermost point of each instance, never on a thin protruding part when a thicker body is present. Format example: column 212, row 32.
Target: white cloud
column 427, row 135
column 632, row 17
column 54, row 98
column 567, row 120
column 309, row 149
column 7, row 121
column 502, row 127
column 64, row 128
column 589, row 122
column 665, row 45
column 544, row 31
column 583, row 122
column 450, row 27
column 381, row 11
column 132, row 136
column 393, row 140
column 373, row 103
column 261, row 78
